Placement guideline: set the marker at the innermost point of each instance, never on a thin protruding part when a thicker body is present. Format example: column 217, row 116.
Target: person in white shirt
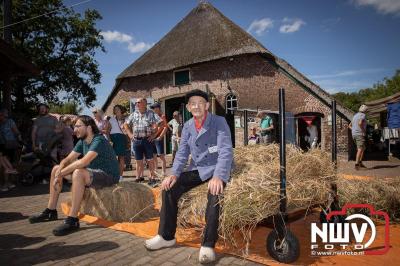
column 312, row 137
column 174, row 126
column 118, row 137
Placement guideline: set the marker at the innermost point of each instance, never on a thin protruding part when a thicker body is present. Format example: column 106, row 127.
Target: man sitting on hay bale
column 97, row 168
column 208, row 139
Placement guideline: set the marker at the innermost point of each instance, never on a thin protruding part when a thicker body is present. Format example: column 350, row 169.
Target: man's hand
column 168, row 182
column 56, row 183
column 216, row 185
column 151, row 138
column 57, row 179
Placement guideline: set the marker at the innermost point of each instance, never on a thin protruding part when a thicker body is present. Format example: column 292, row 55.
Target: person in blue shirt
column 208, row 139
column 97, row 168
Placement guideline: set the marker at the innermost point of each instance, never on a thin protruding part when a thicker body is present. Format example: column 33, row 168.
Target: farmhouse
column 208, row 51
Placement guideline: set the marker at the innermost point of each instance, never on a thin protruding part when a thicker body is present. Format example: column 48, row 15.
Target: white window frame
column 230, row 98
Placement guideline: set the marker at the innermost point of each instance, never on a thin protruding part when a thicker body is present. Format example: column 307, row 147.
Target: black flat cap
column 196, row 93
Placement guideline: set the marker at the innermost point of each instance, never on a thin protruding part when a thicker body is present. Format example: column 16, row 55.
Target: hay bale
column 253, row 193
column 192, row 208
column 382, row 193
column 123, row 202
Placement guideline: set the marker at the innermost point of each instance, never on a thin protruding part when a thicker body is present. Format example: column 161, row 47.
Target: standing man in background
column 266, row 128
column 358, row 126
column 174, row 125
column 141, row 127
column 44, row 130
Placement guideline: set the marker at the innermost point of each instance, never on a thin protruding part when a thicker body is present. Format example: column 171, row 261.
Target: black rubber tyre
column 287, row 251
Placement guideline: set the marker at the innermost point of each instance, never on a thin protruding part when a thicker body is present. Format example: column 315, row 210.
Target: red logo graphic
column 372, row 212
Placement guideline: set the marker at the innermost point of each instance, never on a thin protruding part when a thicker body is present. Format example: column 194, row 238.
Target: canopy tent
column 379, row 108
column 393, row 118
column 388, row 109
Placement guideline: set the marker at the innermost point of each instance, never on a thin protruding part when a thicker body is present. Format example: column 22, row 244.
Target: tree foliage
column 71, row 108
column 63, row 45
column 387, row 87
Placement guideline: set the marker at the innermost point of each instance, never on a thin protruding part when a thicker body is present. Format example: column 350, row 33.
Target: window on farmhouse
column 181, row 77
column 231, row 102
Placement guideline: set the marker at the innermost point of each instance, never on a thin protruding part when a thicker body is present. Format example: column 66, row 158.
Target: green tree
column 126, row 104
column 387, row 87
column 63, row 45
column 71, row 108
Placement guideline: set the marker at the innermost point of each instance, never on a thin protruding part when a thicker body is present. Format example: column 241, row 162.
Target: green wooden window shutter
column 182, row 77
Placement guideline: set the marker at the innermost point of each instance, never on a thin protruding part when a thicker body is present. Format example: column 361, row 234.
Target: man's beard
column 83, row 136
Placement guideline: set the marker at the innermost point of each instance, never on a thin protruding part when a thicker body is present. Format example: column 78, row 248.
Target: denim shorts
column 158, row 147
column 100, row 179
column 142, row 148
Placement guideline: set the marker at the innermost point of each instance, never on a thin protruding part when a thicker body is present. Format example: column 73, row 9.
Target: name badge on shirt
column 213, row 149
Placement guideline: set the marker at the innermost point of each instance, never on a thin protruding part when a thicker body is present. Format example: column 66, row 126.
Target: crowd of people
column 266, row 130
column 91, row 151
column 140, row 134
column 94, row 162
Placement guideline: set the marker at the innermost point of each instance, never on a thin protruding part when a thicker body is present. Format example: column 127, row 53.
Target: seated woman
column 254, row 138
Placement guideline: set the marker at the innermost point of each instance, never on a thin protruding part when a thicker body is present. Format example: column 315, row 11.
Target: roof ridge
column 191, row 38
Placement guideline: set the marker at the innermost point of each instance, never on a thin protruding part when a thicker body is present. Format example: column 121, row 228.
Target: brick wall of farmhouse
column 251, row 78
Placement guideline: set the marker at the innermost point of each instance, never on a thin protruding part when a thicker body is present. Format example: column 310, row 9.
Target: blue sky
column 340, row 45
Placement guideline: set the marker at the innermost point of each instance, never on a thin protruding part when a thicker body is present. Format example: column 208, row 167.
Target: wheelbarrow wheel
column 286, row 250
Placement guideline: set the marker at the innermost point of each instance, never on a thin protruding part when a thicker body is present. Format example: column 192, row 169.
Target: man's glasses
column 194, row 104
column 78, row 126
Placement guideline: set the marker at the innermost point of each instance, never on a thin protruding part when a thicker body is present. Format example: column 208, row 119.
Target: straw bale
column 123, row 202
column 253, row 193
column 382, row 193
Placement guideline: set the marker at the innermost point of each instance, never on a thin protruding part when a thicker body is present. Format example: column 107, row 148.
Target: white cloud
column 291, row 25
column 116, row 36
column 133, row 47
column 348, row 80
column 139, row 47
column 383, row 6
column 347, row 73
column 338, row 85
column 261, row 26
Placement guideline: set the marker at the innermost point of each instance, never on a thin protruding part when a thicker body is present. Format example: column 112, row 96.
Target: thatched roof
column 205, row 34
column 313, row 88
